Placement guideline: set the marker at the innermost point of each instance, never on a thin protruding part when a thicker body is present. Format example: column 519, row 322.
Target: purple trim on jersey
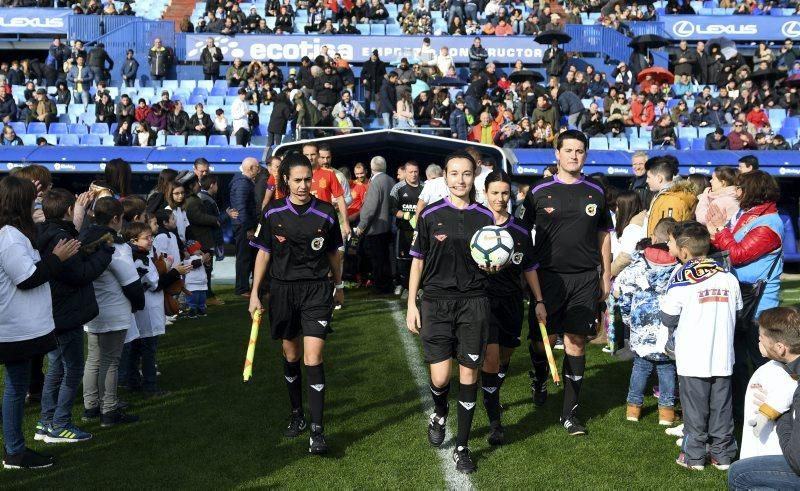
column 476, row 206
column 417, row 254
column 532, row 268
column 437, row 207
column 543, row 185
column 512, row 224
column 259, row 246
column 288, row 206
column 320, row 213
column 593, row 185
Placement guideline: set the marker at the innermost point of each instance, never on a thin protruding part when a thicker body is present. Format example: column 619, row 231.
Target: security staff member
column 453, row 319
column 570, row 225
column 403, row 205
column 298, row 238
column 505, row 299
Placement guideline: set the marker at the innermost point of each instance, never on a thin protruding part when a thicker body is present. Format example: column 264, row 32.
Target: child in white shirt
column 196, row 281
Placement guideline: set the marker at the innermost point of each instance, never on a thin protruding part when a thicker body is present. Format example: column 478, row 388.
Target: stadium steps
column 177, row 10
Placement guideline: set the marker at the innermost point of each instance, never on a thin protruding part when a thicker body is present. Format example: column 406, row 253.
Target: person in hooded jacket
column 74, row 304
column 282, row 112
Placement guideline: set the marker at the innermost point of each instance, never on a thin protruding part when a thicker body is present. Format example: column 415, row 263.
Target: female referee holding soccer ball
column 299, row 237
column 505, row 298
column 454, row 316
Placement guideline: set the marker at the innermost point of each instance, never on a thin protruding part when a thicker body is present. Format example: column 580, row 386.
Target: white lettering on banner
column 59, row 167
column 22, row 22
column 788, row 170
column 617, row 170
column 699, row 170
column 685, row 28
column 11, row 166
column 272, row 51
column 791, row 29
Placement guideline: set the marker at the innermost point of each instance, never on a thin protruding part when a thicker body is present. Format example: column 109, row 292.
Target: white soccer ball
column 491, row 246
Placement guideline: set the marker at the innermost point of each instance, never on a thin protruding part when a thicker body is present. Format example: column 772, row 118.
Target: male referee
column 570, row 224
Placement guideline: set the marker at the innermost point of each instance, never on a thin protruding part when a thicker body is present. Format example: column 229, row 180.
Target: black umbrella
column 548, row 37
column 769, row 75
column 448, row 82
column 523, row 75
column 650, row 41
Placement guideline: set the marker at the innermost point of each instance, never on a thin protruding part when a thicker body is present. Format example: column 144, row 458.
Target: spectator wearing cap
column 141, row 111
column 44, row 110
column 716, row 140
column 166, row 103
column 236, row 74
column 80, row 77
column 130, row 69
column 210, row 58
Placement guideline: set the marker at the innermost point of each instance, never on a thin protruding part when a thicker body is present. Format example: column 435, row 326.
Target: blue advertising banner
column 358, row 48
column 735, row 27
column 33, row 21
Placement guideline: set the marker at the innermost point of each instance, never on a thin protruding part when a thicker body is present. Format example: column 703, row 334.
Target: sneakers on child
column 717, row 465
column 27, row 459
column 681, row 461
column 68, row 434
column 191, row 314
column 41, row 431
column 573, row 426
column 675, row 431
column 633, row 413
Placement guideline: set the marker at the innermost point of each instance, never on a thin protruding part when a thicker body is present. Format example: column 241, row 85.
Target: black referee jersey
column 442, row 240
column 298, row 238
column 507, row 282
column 566, row 219
column 404, row 197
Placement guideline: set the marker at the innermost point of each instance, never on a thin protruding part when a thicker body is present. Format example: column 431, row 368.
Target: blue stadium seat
column 61, row 109
column 107, row 140
column 176, row 141
column 684, row 143
column 631, row 131
column 232, row 91
column 645, row 134
column 205, row 84
column 699, row 144
column 687, row 132
column 69, row 140
column 790, row 253
column 221, row 83
column 57, row 128
column 28, row 139
column 218, row 91
column 184, row 93
column 37, row 128
column 51, row 139
column 169, row 85
column 77, row 129
column 196, row 141
column 196, row 99
column 146, row 93
column 88, row 118
column 598, row 143
column 200, row 91
column 215, row 100
column 99, row 129
column 218, row 140
column 260, row 130
column 187, row 84
column 640, row 144
column 702, row 132
column 93, row 140
column 18, row 127
column 617, row 144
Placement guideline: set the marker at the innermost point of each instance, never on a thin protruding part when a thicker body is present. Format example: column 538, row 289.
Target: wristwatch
column 537, row 302
column 339, row 286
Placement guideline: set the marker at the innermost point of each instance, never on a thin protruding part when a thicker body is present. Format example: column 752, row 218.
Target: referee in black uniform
column 298, row 238
column 505, row 298
column 454, row 315
column 570, row 224
column 403, row 205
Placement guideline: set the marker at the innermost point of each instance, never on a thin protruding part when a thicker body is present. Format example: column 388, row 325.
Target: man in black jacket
column 74, row 304
column 388, row 100
column 639, row 181
column 100, row 63
column 210, row 58
column 372, row 74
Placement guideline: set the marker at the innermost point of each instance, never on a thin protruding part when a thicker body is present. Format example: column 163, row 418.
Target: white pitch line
column 453, row 479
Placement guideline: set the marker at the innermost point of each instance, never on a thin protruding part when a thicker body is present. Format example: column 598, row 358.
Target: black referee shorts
column 455, row 328
column 571, row 301
column 300, row 308
column 505, row 320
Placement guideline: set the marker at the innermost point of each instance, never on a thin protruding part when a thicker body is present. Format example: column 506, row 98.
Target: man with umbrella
column 555, row 59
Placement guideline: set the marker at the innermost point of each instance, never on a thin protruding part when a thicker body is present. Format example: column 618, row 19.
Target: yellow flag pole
column 251, row 346
column 549, row 351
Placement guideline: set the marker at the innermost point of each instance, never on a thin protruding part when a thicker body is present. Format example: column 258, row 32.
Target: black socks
column 440, row 399
column 490, row 383
column 539, row 361
column 293, row 377
column 316, row 391
column 467, row 394
column 574, row 367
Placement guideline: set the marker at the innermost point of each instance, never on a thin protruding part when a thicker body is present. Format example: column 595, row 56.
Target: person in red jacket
column 484, row 131
column 757, row 117
column 141, row 111
column 643, row 111
column 739, row 139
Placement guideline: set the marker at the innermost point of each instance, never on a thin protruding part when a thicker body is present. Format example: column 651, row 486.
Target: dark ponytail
column 293, row 159
column 461, row 154
column 497, row 176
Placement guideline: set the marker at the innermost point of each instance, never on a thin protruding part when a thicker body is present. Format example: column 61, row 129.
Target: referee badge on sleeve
column 258, row 229
column 414, row 238
column 316, row 244
column 591, row 209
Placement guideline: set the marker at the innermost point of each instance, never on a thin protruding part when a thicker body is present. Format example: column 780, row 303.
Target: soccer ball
column 491, row 247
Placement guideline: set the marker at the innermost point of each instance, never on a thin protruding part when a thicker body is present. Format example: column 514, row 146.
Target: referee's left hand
column 338, row 296
column 345, row 230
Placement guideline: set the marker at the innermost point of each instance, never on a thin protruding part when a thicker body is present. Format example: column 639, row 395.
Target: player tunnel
column 397, row 147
